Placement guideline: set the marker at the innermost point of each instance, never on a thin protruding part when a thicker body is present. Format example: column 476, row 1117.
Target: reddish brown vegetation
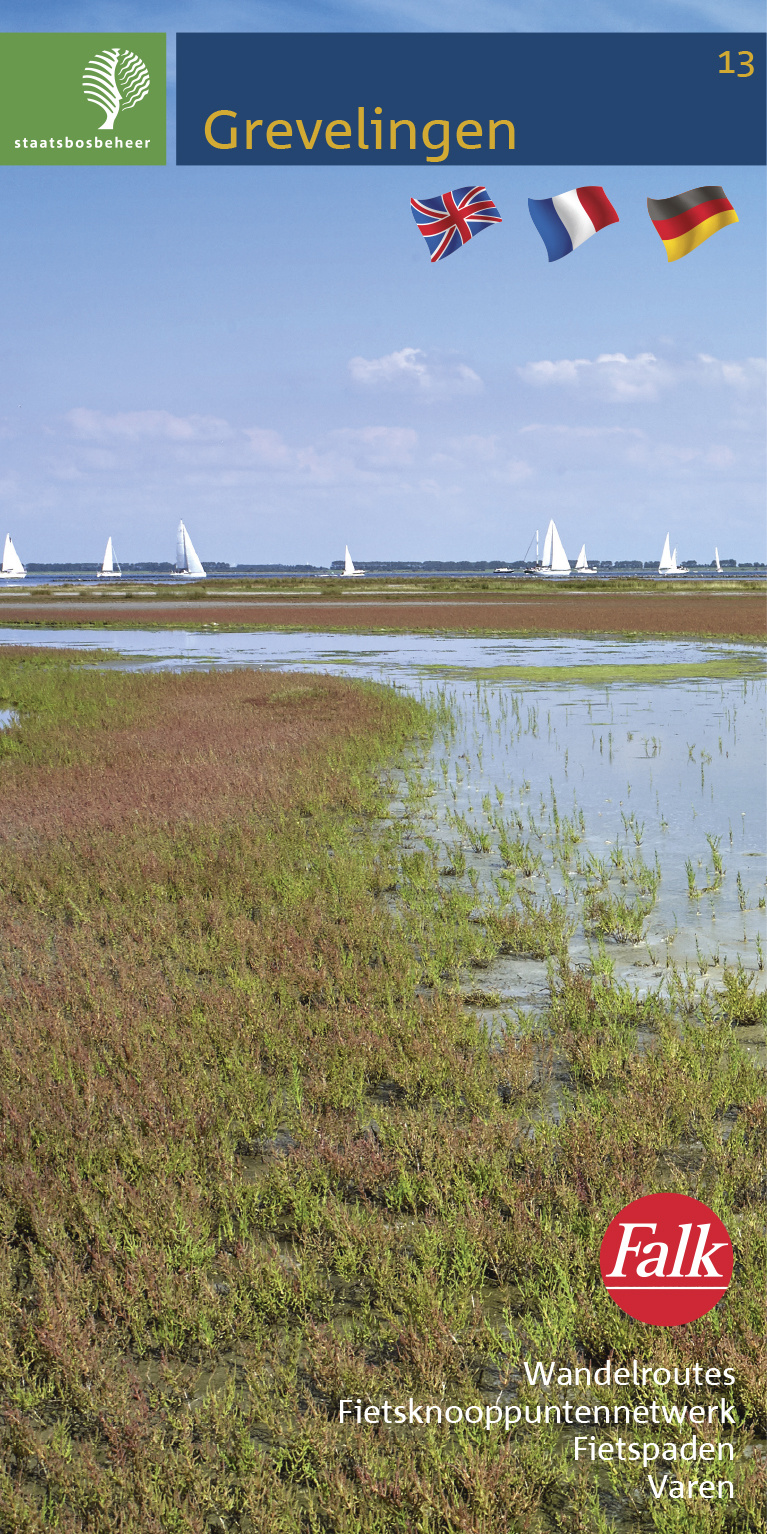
column 739, row 615
column 218, row 745
column 247, row 1170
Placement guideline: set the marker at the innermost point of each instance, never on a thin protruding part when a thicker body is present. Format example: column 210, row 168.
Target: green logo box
column 82, row 98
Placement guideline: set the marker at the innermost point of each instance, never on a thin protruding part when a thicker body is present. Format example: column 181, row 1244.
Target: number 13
column 748, row 63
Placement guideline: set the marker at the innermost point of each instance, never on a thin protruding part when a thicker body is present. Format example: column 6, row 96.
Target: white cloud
column 205, row 449
column 371, row 455
column 267, row 447
column 611, row 375
column 484, row 460
column 137, row 424
column 580, row 449
column 657, row 457
column 379, row 447
column 615, row 377
column 207, row 452
column 415, row 372
column 742, row 376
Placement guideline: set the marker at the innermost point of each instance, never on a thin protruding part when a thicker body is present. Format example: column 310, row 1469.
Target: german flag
column 686, row 221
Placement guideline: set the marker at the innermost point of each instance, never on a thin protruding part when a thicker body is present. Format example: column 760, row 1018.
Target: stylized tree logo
column 115, row 81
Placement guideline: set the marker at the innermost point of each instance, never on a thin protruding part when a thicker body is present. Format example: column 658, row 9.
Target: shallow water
column 668, row 769
column 651, row 779
column 407, row 658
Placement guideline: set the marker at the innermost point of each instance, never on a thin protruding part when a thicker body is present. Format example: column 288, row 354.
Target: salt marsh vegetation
column 336, row 1026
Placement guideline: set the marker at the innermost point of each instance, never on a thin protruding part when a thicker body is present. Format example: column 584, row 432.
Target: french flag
column 564, row 222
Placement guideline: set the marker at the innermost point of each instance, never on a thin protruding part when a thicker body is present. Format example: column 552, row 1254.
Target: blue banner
column 477, row 98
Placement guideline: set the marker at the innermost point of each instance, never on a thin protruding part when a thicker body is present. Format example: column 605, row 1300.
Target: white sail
column 664, row 567
column 546, row 560
column 349, row 566
column 12, row 565
column 560, row 564
column 582, row 565
column 555, row 560
column 109, row 565
column 716, row 559
column 674, row 568
column 187, row 561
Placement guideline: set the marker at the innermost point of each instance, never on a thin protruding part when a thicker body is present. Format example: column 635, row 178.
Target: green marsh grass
column 258, row 1154
column 605, row 674
column 612, row 916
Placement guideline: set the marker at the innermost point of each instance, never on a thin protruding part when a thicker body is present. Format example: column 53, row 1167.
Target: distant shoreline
column 376, row 571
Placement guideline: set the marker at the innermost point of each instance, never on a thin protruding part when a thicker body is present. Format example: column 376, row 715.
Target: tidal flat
column 648, row 605
column 339, row 1019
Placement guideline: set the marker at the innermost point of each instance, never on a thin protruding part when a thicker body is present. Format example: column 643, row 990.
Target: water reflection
column 669, row 773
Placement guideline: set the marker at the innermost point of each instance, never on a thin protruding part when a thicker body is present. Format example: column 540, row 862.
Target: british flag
column 449, row 221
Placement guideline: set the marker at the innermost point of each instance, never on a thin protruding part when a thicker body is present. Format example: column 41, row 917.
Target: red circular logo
column 666, row 1259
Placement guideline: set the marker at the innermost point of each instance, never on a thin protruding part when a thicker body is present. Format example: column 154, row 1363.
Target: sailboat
column 188, row 566
column 532, row 569
column 109, row 568
column 555, row 560
column 582, row 565
column 716, row 560
column 668, row 564
column 12, row 568
column 349, row 566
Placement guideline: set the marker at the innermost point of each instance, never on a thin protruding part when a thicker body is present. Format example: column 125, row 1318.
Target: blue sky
column 173, row 344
